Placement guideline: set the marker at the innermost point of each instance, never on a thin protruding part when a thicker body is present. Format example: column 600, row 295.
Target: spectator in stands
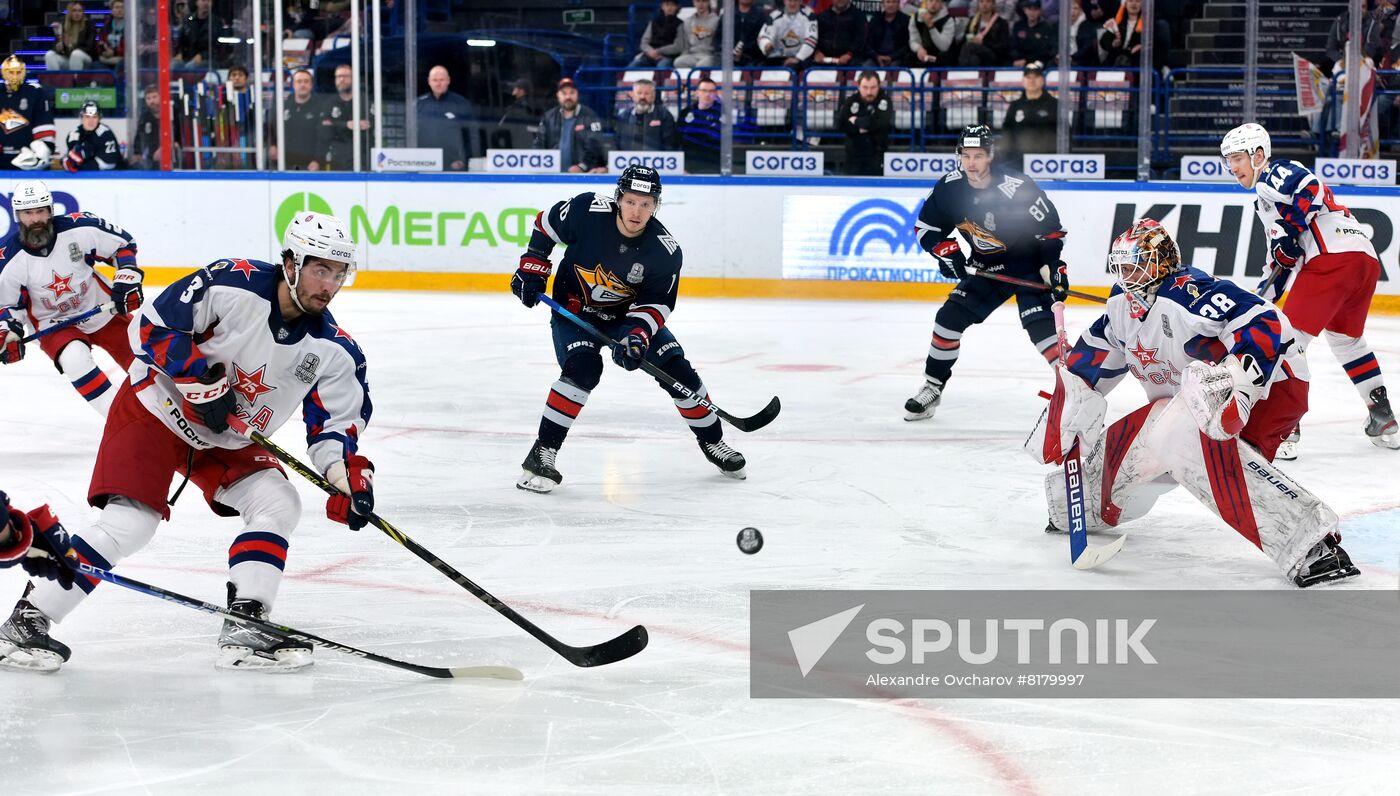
column 869, row 7
column 1121, row 39
column 933, row 35
column 111, row 49
column 196, row 45
column 1031, row 118
column 144, row 152
column 1099, row 11
column 840, row 35
column 699, row 128
column 1085, row 35
column 75, row 41
column 1372, row 41
column 446, row 121
column 575, row 131
column 340, row 123
column 661, row 41
column 517, row 125
column 235, row 124
column 302, row 22
column 987, row 39
column 887, row 36
column 1032, row 38
column 92, row 146
column 305, row 148
column 646, row 126
column 789, row 37
column 865, row 119
column 699, row 35
column 750, row 19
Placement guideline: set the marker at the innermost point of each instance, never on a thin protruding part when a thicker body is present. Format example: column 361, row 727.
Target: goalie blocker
column 1224, row 384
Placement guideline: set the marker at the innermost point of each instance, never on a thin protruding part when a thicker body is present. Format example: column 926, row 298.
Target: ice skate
column 539, row 474
column 25, row 642
column 1326, row 561
column 923, row 405
column 244, row 647
column 1380, row 423
column 1288, row 449
column 729, row 461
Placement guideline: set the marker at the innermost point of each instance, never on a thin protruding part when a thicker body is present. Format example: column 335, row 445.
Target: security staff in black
column 1014, row 230
column 865, row 119
column 1031, row 118
column 619, row 273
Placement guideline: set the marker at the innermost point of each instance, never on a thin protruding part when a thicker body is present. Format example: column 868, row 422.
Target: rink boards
column 742, row 237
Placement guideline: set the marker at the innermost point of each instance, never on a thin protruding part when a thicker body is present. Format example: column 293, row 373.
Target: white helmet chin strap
column 292, row 285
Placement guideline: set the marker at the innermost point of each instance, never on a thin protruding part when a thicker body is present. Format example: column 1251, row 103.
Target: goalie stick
column 1081, row 554
column 620, row 648
column 454, row 672
column 753, row 422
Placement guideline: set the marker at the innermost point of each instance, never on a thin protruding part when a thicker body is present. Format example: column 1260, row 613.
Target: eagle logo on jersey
column 602, row 286
column 60, row 285
column 11, row 121
column 1147, row 356
column 983, row 241
column 250, row 385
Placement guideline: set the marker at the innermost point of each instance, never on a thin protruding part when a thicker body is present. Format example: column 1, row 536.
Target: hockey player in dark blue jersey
column 620, row 272
column 1014, row 230
column 26, row 121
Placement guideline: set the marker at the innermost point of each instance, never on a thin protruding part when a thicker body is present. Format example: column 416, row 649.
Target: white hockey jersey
column 1194, row 316
column 1292, row 201
column 789, row 35
column 59, row 282
column 227, row 312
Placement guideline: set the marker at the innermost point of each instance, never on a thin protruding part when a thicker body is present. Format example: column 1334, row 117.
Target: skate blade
column 1287, row 452
column 924, row 415
column 740, row 474
column 1389, row 441
column 535, row 483
column 29, row 660
column 243, row 658
column 1330, row 577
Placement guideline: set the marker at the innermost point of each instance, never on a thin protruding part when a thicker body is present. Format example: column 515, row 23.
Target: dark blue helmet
column 975, row 136
column 639, row 179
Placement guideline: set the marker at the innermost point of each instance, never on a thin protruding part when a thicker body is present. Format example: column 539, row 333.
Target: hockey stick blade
column 754, row 422
column 1093, row 555
column 459, row 672
column 624, row 646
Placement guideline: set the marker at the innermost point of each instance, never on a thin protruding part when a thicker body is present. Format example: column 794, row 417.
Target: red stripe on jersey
column 1227, row 487
column 654, row 314
column 945, row 344
column 257, row 546
column 563, row 405
column 1366, row 364
column 94, row 385
column 694, row 412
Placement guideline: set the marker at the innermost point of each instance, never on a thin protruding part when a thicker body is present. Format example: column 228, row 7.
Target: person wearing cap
column 92, row 146
column 575, row 131
column 1033, row 38
column 516, row 126
column 1029, row 126
column 443, row 117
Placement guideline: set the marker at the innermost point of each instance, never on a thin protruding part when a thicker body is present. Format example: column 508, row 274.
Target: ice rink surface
column 847, row 494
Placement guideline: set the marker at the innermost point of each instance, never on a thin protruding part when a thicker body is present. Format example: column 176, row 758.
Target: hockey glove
column 126, row 290
column 35, row 157
column 73, row 161
column 530, row 278
column 632, row 349
column 1220, row 397
column 11, row 341
column 952, row 263
column 38, row 544
column 208, row 398
column 1057, row 276
column 1271, row 287
column 1283, row 248
column 355, row 478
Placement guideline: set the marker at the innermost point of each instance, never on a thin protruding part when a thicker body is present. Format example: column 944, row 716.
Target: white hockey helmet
column 29, row 195
column 1248, row 138
column 318, row 235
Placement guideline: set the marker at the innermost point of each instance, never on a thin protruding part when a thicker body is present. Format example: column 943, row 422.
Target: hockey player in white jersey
column 1224, row 383
column 237, row 338
column 1314, row 241
column 46, row 272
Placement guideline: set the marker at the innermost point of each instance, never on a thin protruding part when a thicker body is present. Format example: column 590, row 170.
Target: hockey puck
column 750, row 541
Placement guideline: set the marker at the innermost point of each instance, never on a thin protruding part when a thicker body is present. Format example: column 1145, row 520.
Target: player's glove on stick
column 126, row 290
column 11, row 341
column 208, row 398
column 1057, row 276
column 530, row 278
column 1283, row 247
column 952, row 263
column 632, row 349
column 38, row 543
column 1220, row 397
column 354, row 477
column 73, row 160
column 1271, row 287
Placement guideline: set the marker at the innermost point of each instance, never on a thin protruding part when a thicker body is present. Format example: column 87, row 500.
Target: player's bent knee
column 75, row 359
column 954, row 317
column 127, row 526
column 265, row 500
column 584, row 372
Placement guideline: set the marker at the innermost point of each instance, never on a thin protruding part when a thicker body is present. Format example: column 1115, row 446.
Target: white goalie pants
column 1149, row 452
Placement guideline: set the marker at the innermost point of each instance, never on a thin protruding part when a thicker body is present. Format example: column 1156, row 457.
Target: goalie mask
column 1142, row 258
column 13, row 70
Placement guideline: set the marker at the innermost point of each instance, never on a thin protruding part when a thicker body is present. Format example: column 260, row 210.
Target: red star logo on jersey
column 250, row 385
column 244, row 267
column 1147, row 356
column 75, row 215
column 339, row 332
column 60, row 285
column 1181, row 281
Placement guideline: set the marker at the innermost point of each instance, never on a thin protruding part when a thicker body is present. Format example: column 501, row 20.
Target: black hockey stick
column 1011, row 280
column 624, row 646
column 494, row 672
column 753, row 422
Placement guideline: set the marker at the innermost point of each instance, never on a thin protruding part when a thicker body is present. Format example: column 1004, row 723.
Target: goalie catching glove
column 1220, row 397
column 35, row 157
column 355, row 478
